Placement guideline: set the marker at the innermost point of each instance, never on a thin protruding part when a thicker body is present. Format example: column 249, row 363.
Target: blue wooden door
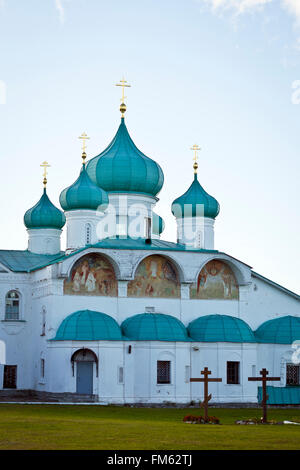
column 84, row 377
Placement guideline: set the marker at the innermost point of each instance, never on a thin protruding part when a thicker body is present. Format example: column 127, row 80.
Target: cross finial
column 45, row 165
column 84, row 137
column 123, row 83
column 196, row 149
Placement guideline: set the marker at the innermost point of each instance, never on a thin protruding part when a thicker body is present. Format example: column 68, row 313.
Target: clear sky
column 220, row 73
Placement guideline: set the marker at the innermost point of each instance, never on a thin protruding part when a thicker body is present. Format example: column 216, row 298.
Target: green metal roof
column 220, row 328
column 87, row 325
column 122, row 167
column 44, row 215
column 282, row 330
column 83, row 194
column 154, row 327
column 25, row 261
column 281, row 395
column 186, row 205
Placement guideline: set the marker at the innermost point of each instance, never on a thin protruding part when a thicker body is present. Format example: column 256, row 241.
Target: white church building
column 123, row 316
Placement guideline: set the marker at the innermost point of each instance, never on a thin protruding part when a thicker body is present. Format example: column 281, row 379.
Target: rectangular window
column 42, row 368
column 292, row 374
column 163, row 372
column 233, row 372
column 10, row 377
column 148, row 228
column 121, row 375
column 187, row 374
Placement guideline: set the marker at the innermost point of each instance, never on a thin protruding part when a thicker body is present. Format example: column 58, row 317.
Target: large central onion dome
column 122, row 167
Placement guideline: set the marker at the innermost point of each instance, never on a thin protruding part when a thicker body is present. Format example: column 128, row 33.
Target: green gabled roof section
column 282, row 330
column 220, row 328
column 281, row 395
column 25, row 261
column 88, row 325
column 154, row 327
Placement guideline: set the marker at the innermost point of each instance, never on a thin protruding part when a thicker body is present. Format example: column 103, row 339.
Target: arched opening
column 93, row 274
column 215, row 281
column 84, row 359
column 12, row 305
column 156, row 276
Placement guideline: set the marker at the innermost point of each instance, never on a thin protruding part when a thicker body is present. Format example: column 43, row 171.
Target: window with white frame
column 42, row 368
column 12, row 305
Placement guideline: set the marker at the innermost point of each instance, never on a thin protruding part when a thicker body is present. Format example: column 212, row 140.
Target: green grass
column 111, row 427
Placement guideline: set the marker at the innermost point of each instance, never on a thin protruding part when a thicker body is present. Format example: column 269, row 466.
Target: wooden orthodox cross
column 264, row 378
column 205, row 380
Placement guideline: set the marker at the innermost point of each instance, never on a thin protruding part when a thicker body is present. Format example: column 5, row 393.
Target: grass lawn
column 111, row 427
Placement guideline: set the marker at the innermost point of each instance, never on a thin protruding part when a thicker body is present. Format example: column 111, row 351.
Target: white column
column 196, row 232
column 44, row 241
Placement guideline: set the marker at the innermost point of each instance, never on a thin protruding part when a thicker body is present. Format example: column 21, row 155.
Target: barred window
column 163, row 372
column 233, row 372
column 88, row 231
column 10, row 377
column 12, row 305
column 292, row 374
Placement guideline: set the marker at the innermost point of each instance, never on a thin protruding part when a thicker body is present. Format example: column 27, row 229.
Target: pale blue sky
column 221, row 78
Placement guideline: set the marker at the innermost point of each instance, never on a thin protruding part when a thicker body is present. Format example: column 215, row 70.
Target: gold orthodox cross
column 195, row 149
column 207, row 396
column 123, row 83
column 45, row 165
column 84, row 137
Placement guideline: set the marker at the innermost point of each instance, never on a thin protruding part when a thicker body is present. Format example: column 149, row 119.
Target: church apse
column 155, row 277
column 215, row 281
column 92, row 274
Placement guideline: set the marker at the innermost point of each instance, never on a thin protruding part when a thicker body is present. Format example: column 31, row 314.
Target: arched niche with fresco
column 215, row 281
column 92, row 274
column 155, row 276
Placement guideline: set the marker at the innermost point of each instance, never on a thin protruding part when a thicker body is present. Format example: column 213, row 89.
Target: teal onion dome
column 154, row 327
column 282, row 330
column 186, row 205
column 88, row 325
column 158, row 224
column 44, row 215
column 220, row 328
column 83, row 194
column 122, row 167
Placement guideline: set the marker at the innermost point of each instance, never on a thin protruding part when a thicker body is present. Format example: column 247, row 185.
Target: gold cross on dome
column 196, row 149
column 45, row 165
column 84, row 137
column 123, row 83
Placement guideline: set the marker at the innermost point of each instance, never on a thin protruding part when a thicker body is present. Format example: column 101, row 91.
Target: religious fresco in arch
column 155, row 277
column 215, row 281
column 92, row 275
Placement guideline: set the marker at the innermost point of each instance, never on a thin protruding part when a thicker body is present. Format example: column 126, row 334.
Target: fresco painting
column 216, row 281
column 91, row 275
column 155, row 277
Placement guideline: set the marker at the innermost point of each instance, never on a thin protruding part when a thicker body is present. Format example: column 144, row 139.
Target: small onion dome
column 158, row 224
column 87, row 325
column 186, row 205
column 122, row 167
column 154, row 327
column 220, row 328
column 83, row 194
column 282, row 330
column 44, row 215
